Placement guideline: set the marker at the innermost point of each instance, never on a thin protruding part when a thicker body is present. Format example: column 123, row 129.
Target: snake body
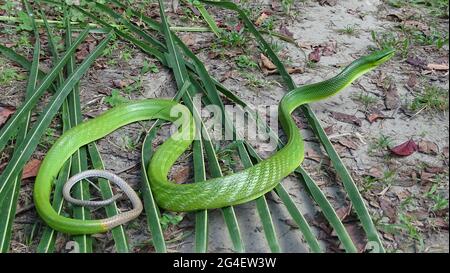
column 219, row 192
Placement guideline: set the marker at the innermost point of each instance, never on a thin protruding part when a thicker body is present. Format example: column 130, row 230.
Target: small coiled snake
column 219, row 192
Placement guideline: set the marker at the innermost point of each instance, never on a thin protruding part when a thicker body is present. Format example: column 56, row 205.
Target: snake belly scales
column 233, row 189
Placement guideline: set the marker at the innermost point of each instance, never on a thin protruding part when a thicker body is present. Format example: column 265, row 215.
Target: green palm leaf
column 9, row 197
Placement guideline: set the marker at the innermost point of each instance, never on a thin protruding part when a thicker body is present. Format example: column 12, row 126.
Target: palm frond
column 9, row 197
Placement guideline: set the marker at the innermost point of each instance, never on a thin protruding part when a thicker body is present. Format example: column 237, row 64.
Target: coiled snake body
column 229, row 190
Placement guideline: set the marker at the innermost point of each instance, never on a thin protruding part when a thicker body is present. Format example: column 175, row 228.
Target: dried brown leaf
column 289, row 70
column 388, row 209
column 312, row 155
column 181, row 174
column 357, row 235
column 375, row 172
column 405, row 149
column 82, row 53
column 415, row 61
column 439, row 67
column 267, row 63
column 349, row 143
column 344, row 211
column 261, row 18
column 330, row 3
column 122, row 83
column 394, row 17
column 31, row 168
column 188, row 39
column 412, row 81
column 434, row 170
column 382, row 81
column 329, row 130
column 389, row 236
column 440, row 223
column 391, row 99
column 374, row 116
column 295, row 70
column 428, row 147
column 314, row 56
column 426, row 177
column 329, row 48
column 5, row 112
column 351, row 119
column 302, row 124
column 285, row 31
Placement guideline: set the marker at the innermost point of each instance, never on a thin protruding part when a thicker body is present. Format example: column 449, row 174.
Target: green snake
column 233, row 189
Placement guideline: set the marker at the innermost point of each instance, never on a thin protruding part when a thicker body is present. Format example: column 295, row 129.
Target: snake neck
column 316, row 92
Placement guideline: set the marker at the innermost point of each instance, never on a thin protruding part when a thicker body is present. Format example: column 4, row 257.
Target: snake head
column 379, row 57
column 367, row 63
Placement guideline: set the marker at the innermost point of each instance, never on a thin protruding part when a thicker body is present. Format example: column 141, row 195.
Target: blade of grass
column 292, row 209
column 198, row 65
column 47, row 241
column 349, row 185
column 263, row 210
column 80, row 160
column 52, row 47
column 264, row 45
column 201, row 217
column 10, row 197
column 152, row 40
column 176, row 63
column 208, row 18
column 298, row 218
column 13, row 19
column 151, row 209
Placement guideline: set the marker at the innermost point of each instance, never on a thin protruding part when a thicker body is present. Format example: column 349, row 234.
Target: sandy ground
column 390, row 202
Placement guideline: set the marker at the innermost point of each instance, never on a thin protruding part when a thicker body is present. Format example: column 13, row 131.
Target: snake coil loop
column 129, row 192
